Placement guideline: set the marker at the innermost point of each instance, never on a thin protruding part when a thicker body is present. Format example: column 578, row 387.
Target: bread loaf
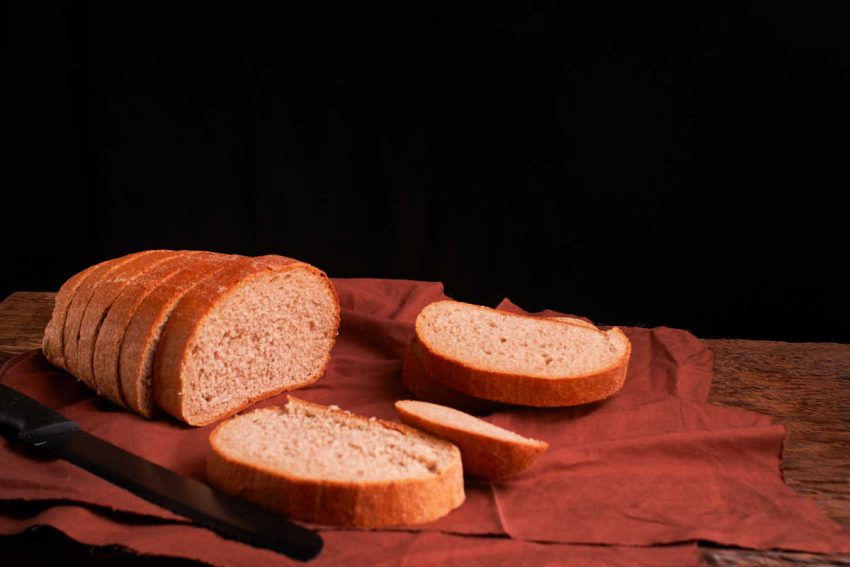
column 325, row 465
column 519, row 359
column 487, row 450
column 214, row 333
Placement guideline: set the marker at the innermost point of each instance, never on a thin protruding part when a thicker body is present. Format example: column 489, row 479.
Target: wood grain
column 805, row 386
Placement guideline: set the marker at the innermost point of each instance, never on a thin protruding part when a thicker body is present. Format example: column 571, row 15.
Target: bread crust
column 483, row 456
column 352, row 504
column 188, row 316
column 107, row 346
column 142, row 335
column 521, row 389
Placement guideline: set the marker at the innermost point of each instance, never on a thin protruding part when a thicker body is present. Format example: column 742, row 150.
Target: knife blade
column 31, row 422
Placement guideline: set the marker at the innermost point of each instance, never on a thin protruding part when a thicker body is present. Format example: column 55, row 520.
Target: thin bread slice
column 52, row 344
column 325, row 465
column 487, row 450
column 105, row 293
column 415, row 379
column 249, row 332
column 107, row 346
column 520, row 359
column 77, row 307
column 138, row 346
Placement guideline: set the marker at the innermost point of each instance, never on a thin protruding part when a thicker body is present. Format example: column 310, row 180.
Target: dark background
column 681, row 166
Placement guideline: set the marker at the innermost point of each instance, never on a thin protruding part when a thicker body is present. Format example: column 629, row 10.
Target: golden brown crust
column 484, row 456
column 186, row 319
column 143, row 331
column 523, row 389
column 352, row 504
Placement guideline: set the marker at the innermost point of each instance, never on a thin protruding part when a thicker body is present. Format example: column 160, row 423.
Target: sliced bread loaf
column 487, row 450
column 519, row 359
column 107, row 346
column 248, row 332
column 325, row 465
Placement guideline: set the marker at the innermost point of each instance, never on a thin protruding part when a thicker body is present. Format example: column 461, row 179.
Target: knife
column 31, row 422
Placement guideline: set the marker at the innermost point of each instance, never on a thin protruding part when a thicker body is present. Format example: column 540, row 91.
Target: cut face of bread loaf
column 519, row 359
column 325, row 465
column 487, row 450
column 249, row 332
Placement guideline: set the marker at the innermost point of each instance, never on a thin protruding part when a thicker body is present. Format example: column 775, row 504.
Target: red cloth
column 656, row 464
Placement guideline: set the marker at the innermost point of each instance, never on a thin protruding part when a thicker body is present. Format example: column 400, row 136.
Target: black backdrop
column 639, row 166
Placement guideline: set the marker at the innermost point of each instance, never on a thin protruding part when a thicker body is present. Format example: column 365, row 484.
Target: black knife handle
column 29, row 420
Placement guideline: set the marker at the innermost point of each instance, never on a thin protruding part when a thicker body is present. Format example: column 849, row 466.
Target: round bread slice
column 138, row 346
column 487, row 450
column 520, row 359
column 107, row 290
column 248, row 333
column 52, row 344
column 107, row 346
column 326, row 465
column 80, row 300
column 415, row 379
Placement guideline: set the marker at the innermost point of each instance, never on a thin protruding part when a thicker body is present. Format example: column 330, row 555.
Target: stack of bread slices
column 199, row 335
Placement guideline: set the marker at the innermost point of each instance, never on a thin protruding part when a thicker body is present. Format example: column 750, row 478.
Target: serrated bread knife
column 26, row 420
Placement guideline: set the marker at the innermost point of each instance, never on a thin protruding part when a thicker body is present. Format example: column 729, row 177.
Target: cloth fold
column 654, row 465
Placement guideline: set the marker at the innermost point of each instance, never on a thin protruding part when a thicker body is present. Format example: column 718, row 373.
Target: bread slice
column 249, row 332
column 105, row 293
column 325, row 465
column 138, row 345
column 487, row 450
column 520, row 359
column 107, row 346
column 78, row 303
column 416, row 379
column 52, row 344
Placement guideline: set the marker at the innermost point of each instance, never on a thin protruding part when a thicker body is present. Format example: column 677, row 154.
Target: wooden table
column 806, row 386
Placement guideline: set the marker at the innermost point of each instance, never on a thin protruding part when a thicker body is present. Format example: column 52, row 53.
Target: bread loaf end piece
column 248, row 333
column 325, row 465
column 520, row 359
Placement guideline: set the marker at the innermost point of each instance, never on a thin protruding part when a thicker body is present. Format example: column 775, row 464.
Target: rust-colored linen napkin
column 655, row 465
